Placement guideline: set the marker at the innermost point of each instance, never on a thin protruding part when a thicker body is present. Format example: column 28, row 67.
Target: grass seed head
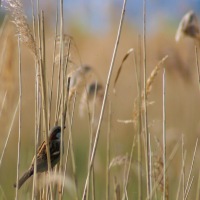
column 188, row 26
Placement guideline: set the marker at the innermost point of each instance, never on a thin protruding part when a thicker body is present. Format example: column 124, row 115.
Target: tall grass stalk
column 20, row 113
column 92, row 129
column 181, row 181
column 61, row 63
column 151, row 154
column 72, row 154
column 92, row 133
column 58, row 95
column 125, row 177
column 164, row 134
column 108, row 153
column 191, row 168
column 41, row 63
column 68, row 144
column 184, row 152
column 198, row 187
column 139, row 127
column 70, row 140
column 53, row 68
column 42, row 70
column 168, row 162
column 91, row 114
column 104, row 99
column 36, row 104
column 197, row 65
column 3, row 103
column 129, row 163
column 147, row 148
column 44, row 91
column 189, row 188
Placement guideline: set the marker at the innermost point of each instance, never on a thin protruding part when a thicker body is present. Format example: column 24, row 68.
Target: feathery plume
column 15, row 7
column 188, row 27
column 149, row 85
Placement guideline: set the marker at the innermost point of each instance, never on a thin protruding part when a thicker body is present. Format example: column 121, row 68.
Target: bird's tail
column 23, row 179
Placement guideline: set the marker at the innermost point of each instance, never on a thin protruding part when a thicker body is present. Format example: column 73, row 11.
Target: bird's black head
column 55, row 133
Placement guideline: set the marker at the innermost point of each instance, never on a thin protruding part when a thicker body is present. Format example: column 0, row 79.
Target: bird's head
column 55, row 133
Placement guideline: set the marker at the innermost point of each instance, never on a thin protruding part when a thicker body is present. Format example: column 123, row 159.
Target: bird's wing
column 40, row 152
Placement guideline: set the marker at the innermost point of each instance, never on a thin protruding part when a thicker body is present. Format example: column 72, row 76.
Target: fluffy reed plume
column 15, row 7
column 80, row 77
column 55, row 177
column 153, row 75
column 66, row 43
column 92, row 97
column 149, row 85
column 119, row 160
column 157, row 173
column 188, row 26
column 72, row 56
column 66, row 39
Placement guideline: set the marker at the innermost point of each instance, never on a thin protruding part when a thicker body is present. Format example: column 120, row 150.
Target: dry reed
column 20, row 20
column 149, row 85
column 84, row 82
column 188, row 26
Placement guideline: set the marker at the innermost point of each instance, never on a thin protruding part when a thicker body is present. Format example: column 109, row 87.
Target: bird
column 41, row 157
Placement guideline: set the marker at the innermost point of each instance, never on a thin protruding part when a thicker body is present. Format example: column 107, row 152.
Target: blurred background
column 93, row 25
column 97, row 16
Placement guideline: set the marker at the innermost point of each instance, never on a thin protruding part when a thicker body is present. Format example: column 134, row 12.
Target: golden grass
column 19, row 18
column 182, row 99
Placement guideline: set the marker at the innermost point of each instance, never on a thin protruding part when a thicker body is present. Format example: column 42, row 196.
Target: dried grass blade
column 68, row 144
column 189, row 187
column 105, row 98
column 3, row 103
column 153, row 75
column 20, row 116
column 191, row 168
column 108, row 153
column 149, row 84
column 120, row 67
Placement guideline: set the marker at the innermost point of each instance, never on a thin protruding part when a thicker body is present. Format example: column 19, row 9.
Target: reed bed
column 101, row 160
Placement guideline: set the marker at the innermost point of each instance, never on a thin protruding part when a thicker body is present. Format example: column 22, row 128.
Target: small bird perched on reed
column 42, row 164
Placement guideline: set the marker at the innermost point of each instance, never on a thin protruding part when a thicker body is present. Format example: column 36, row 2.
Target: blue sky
column 96, row 15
